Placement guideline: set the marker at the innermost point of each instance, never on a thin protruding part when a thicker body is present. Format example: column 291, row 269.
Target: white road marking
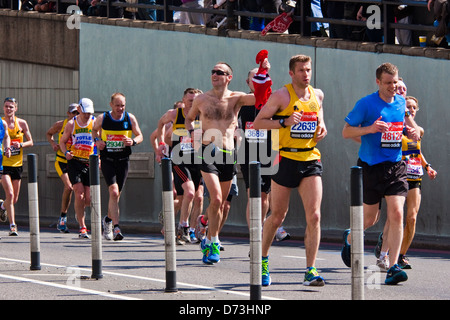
column 297, row 257
column 200, row 287
column 62, row 286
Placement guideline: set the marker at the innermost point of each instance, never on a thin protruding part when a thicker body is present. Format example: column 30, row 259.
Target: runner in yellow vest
column 296, row 111
column 80, row 130
column 61, row 164
column 12, row 166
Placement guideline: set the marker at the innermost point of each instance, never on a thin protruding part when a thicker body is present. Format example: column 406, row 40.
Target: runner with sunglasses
column 217, row 109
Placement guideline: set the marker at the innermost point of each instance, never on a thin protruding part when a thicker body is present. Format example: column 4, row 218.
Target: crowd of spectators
column 435, row 14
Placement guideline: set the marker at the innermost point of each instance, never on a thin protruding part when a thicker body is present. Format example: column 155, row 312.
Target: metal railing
column 302, row 14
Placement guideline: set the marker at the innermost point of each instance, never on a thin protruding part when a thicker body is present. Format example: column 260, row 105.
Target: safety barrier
column 357, row 231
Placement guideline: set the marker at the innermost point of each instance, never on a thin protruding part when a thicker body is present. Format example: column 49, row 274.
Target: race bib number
column 115, row 142
column 414, row 168
column 306, row 128
column 254, row 136
column 83, row 146
column 82, row 151
column 186, row 145
column 392, row 138
column 15, row 151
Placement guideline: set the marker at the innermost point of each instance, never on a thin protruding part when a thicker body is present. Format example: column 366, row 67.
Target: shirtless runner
column 218, row 109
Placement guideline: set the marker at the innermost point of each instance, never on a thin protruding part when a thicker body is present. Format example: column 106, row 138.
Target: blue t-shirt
column 377, row 147
column 2, row 135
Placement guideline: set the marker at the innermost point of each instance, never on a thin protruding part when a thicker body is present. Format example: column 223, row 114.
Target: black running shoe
column 378, row 246
column 346, row 250
column 403, row 262
column 395, row 275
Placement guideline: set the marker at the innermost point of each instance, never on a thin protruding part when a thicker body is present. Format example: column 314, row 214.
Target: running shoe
column 161, row 217
column 62, row 225
column 13, row 230
column 378, row 246
column 200, row 229
column 383, row 264
column 117, row 234
column 205, row 250
column 192, row 237
column 266, row 279
column 346, row 250
column 178, row 241
column 214, row 253
column 282, row 235
column 395, row 275
column 83, row 233
column 3, row 215
column 403, row 262
column 312, row 278
column 107, row 229
column 183, row 234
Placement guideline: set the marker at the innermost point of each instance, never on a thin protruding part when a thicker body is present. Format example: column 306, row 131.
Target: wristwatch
column 282, row 123
column 407, row 114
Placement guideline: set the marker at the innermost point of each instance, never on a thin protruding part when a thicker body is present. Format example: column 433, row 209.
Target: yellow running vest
column 301, row 135
column 412, row 155
column 82, row 142
column 180, row 134
column 16, row 135
column 59, row 155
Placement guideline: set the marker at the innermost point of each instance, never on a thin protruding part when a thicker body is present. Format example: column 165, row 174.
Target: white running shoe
column 282, row 235
column 107, row 229
column 383, row 264
column 3, row 215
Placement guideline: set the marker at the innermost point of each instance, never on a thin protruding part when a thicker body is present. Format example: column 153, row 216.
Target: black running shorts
column 291, row 172
column 115, row 171
column 383, row 179
column 218, row 161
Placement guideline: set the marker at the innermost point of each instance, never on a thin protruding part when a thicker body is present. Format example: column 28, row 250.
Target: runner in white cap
column 80, row 130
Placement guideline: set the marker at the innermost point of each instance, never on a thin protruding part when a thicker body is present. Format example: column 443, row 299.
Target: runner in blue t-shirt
column 379, row 146
column 379, row 121
column 5, row 141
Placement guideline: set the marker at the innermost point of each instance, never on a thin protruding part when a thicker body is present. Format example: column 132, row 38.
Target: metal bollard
column 255, row 230
column 357, row 230
column 33, row 203
column 96, row 232
column 169, row 226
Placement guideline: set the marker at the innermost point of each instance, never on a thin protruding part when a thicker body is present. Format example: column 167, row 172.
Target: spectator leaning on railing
column 441, row 9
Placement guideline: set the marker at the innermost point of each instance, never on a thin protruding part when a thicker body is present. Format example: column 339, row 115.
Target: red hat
column 261, row 56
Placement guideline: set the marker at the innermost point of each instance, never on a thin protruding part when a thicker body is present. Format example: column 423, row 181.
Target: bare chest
column 216, row 110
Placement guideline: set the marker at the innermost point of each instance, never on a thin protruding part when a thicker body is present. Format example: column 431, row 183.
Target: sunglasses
column 219, row 72
column 10, row 100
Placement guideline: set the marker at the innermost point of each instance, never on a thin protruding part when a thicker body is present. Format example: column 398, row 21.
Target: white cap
column 86, row 105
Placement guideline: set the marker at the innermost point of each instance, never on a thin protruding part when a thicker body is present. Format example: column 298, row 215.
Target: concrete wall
column 152, row 65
